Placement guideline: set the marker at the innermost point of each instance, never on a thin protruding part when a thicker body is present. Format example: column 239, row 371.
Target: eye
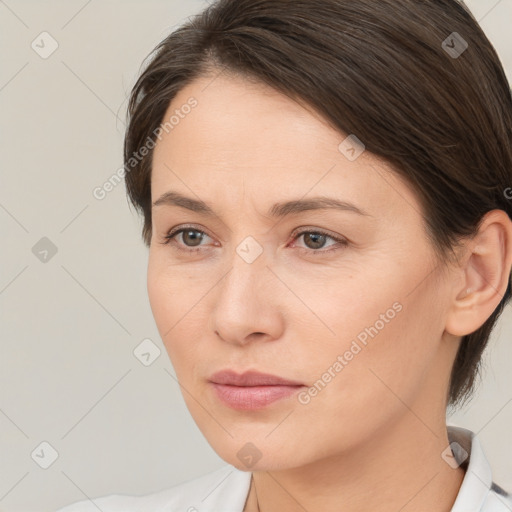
column 191, row 239
column 315, row 239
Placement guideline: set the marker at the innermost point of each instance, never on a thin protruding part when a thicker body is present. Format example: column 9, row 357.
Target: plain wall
column 68, row 375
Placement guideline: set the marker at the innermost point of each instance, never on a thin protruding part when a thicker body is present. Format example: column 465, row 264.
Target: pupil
column 194, row 239
column 315, row 238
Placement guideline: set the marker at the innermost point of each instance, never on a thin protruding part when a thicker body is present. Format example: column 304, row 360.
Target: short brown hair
column 381, row 70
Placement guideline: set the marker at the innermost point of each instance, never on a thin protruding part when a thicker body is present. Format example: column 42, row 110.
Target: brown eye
column 314, row 240
column 190, row 237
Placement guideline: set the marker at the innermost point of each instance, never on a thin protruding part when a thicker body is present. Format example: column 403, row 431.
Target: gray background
column 68, row 375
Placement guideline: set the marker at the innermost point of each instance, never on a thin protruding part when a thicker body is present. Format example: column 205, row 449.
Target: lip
column 251, row 378
column 251, row 390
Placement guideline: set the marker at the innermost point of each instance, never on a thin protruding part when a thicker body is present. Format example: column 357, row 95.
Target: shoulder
column 226, row 488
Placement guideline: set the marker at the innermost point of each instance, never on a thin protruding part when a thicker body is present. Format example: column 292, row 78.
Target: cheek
column 171, row 293
column 371, row 389
column 384, row 344
column 160, row 300
column 175, row 303
column 389, row 370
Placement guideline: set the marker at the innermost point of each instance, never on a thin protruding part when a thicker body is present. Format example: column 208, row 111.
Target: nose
column 247, row 303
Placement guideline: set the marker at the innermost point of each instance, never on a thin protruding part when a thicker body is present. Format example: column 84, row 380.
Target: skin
column 294, row 309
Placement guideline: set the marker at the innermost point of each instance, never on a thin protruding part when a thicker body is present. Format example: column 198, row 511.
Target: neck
column 397, row 469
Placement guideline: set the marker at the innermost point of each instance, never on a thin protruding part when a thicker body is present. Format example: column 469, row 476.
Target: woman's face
column 345, row 301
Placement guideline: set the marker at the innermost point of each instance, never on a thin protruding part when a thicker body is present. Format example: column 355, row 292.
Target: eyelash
column 341, row 242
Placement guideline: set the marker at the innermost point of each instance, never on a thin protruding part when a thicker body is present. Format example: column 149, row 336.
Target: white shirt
column 226, row 489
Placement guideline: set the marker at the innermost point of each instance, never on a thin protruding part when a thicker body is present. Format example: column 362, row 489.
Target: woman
column 325, row 193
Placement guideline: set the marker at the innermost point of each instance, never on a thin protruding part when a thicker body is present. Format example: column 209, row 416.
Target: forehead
column 243, row 135
column 246, row 122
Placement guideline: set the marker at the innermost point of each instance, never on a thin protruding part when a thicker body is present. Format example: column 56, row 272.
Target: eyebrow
column 277, row 210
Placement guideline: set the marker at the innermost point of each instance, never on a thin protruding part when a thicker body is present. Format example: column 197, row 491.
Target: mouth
column 251, row 390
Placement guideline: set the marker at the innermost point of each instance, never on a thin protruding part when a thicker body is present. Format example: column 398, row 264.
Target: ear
column 484, row 275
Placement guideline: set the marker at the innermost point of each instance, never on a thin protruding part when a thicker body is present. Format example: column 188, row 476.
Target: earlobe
column 485, row 270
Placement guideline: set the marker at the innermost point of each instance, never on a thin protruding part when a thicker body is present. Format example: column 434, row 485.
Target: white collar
column 478, row 492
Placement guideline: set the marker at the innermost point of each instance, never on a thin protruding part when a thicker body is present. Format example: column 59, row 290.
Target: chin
column 258, row 456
